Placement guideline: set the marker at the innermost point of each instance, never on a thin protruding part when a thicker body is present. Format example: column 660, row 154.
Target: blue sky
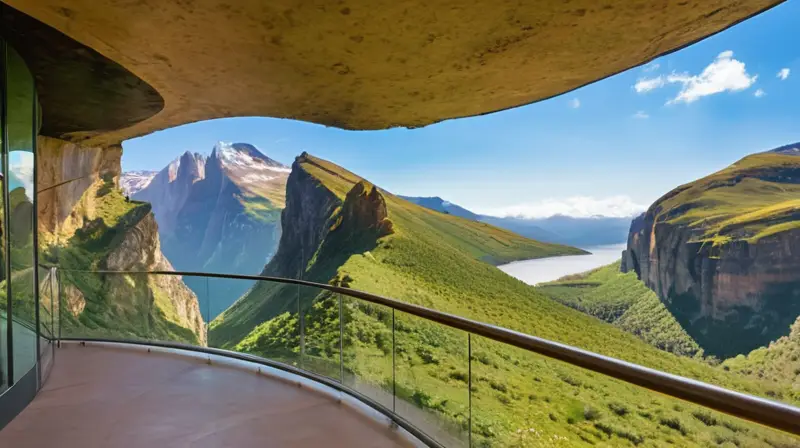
column 606, row 148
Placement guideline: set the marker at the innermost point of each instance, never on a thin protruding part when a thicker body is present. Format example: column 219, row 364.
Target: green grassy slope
column 754, row 203
column 125, row 307
column 780, row 362
column 448, row 232
column 518, row 399
column 623, row 300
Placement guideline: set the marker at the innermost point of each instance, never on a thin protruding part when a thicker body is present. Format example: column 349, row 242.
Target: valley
column 534, row 272
column 366, row 238
column 336, row 227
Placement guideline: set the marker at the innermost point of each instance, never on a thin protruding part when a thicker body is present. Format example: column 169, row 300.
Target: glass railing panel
column 23, row 322
column 321, row 332
column 523, row 399
column 367, row 350
column 47, row 312
column 118, row 306
column 432, row 376
column 272, row 331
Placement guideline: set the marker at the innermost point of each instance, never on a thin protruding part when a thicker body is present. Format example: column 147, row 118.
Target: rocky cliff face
column 169, row 189
column 219, row 214
column 318, row 225
column 321, row 230
column 65, row 172
column 309, row 206
column 723, row 253
column 86, row 223
column 140, row 250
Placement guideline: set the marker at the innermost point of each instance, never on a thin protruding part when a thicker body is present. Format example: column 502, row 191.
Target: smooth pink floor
column 105, row 397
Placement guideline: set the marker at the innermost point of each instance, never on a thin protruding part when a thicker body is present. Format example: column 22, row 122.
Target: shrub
column 590, row 413
column 618, row 408
column 570, row 380
column 427, row 356
column 459, row 375
column 674, row 423
column 706, row 418
column 500, row 387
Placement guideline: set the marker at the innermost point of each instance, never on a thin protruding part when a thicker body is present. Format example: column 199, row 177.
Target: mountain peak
column 789, row 150
column 243, row 154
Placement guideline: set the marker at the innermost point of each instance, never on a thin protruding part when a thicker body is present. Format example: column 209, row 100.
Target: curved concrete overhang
column 373, row 64
column 81, row 90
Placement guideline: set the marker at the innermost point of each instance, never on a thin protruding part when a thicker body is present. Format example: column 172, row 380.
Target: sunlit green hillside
column 621, row 299
column 370, row 240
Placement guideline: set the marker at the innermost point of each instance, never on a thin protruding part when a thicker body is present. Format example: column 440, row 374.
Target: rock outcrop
column 140, row 250
column 318, row 224
column 723, row 253
column 65, row 172
column 86, row 223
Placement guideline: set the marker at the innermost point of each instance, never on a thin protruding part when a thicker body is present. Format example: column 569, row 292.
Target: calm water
column 549, row 269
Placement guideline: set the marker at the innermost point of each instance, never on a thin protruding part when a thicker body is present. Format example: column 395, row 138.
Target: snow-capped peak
column 132, row 182
column 245, row 155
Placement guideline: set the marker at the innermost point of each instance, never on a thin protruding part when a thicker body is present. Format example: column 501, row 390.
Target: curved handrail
column 760, row 410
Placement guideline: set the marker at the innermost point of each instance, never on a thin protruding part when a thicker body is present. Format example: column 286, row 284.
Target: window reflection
column 19, row 225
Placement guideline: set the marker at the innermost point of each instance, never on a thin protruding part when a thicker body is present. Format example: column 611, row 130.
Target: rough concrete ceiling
column 373, row 64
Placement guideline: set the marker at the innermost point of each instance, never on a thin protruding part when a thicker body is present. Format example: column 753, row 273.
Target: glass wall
column 19, row 313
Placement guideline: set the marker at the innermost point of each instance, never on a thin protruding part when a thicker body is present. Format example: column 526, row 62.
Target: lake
column 543, row 270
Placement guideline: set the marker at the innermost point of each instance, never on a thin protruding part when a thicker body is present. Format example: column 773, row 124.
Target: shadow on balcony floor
column 106, row 397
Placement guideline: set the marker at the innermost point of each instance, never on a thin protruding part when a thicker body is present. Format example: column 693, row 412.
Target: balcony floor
column 107, row 397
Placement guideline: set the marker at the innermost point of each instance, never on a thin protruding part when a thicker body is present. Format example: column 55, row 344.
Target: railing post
column 60, row 304
column 208, row 311
column 341, row 339
column 469, row 388
column 301, row 323
column 394, row 368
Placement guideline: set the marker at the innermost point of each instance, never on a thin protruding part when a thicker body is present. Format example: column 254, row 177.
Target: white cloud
column 651, row 67
column 645, row 85
column 759, row 93
column 574, row 103
column 576, row 206
column 783, row 73
column 723, row 74
column 641, row 114
column 727, row 54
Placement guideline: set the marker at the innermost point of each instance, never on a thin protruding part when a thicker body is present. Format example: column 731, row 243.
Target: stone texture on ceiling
column 373, row 64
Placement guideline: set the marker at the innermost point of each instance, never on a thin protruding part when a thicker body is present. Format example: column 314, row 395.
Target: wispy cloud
column 651, row 67
column 783, row 74
column 646, row 85
column 576, row 206
column 641, row 114
column 759, row 93
column 724, row 74
column 574, row 103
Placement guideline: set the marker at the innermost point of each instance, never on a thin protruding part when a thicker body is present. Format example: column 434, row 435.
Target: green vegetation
column 97, row 305
column 260, row 208
column 749, row 200
column 20, row 233
column 623, row 300
column 780, row 362
column 444, row 262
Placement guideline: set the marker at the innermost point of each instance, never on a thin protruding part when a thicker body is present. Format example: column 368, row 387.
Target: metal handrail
column 760, row 410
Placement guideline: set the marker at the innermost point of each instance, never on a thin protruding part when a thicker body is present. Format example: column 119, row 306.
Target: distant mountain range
column 217, row 213
column 581, row 232
column 131, row 182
